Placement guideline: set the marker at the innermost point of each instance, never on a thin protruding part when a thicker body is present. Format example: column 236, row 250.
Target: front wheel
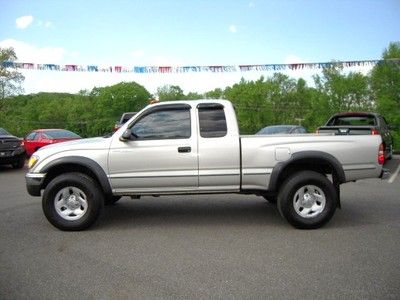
column 72, row 201
column 307, row 200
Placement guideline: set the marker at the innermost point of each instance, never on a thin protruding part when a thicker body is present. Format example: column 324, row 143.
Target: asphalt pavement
column 207, row 247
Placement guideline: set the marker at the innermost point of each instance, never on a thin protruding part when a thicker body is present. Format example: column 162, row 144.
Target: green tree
column 170, row 92
column 385, row 81
column 343, row 92
column 108, row 103
column 252, row 106
column 10, row 80
column 215, row 94
column 193, row 96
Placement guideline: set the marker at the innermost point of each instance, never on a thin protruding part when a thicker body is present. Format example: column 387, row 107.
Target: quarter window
column 212, row 121
column 169, row 123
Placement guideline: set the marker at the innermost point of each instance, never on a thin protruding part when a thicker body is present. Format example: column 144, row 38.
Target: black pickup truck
column 12, row 151
column 361, row 123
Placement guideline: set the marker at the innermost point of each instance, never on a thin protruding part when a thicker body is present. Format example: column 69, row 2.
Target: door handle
column 184, row 149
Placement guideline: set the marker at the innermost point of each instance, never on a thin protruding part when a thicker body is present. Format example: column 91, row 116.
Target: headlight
column 32, row 161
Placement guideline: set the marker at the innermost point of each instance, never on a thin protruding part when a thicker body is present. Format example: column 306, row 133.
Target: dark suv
column 356, row 123
column 12, row 151
column 124, row 118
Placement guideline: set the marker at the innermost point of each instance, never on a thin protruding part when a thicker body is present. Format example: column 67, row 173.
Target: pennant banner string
column 195, row 69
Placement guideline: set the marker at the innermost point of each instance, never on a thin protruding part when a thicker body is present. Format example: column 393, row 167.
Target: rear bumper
column 385, row 174
column 34, row 182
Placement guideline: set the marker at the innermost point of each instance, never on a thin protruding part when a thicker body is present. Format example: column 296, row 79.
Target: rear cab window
column 212, row 120
column 353, row 120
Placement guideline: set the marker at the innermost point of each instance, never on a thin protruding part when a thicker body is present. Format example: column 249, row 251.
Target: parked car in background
column 282, row 129
column 124, row 118
column 361, row 123
column 43, row 137
column 12, row 151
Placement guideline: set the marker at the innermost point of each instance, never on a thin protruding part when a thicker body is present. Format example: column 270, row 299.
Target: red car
column 42, row 137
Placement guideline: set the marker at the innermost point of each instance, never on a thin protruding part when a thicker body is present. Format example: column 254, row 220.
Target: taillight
column 375, row 132
column 381, row 155
column 22, row 143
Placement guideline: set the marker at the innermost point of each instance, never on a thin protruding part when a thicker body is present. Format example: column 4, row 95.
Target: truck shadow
column 215, row 211
column 190, row 211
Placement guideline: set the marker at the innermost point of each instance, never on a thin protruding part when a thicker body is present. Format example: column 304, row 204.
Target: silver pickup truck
column 193, row 147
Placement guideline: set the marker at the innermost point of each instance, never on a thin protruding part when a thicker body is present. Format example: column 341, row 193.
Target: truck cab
column 177, row 148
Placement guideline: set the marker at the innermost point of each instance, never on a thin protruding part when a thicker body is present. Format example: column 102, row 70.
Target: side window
column 31, row 136
column 212, row 121
column 168, row 123
column 301, row 130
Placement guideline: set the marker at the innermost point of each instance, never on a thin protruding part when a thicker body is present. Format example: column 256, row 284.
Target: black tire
column 19, row 164
column 112, row 200
column 271, row 199
column 390, row 155
column 73, row 183
column 323, row 194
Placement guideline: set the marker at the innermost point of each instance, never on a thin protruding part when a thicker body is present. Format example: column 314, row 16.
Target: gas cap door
column 282, row 154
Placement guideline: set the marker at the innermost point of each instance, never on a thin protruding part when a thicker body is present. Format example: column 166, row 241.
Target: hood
column 9, row 137
column 97, row 143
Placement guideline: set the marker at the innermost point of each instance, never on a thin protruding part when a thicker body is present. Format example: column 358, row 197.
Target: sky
column 190, row 33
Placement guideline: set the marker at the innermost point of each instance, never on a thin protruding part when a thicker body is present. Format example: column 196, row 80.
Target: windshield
column 61, row 134
column 4, row 132
column 275, row 130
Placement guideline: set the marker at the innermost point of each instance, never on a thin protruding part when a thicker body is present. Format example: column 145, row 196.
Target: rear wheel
column 307, row 200
column 390, row 153
column 72, row 201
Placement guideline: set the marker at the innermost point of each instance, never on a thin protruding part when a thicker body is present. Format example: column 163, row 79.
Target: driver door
column 161, row 154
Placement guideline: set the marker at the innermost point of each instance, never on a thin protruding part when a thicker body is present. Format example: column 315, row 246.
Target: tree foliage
column 88, row 114
column 170, row 92
column 385, row 82
column 10, row 80
column 274, row 100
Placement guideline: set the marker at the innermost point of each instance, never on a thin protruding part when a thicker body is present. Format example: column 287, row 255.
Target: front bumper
column 11, row 156
column 34, row 182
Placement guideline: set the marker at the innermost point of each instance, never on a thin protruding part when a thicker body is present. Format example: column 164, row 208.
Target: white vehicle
column 192, row 147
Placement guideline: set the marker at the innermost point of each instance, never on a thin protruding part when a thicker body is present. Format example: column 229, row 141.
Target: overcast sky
column 190, row 33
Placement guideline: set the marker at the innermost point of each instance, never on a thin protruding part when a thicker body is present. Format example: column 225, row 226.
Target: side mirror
column 126, row 136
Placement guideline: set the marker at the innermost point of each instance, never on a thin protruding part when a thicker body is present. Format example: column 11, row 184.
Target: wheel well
column 67, row 168
column 318, row 165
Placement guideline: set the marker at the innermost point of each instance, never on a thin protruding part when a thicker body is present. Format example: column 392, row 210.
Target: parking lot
column 218, row 246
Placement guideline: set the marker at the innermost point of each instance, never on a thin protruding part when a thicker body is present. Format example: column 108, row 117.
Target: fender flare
column 306, row 155
column 93, row 166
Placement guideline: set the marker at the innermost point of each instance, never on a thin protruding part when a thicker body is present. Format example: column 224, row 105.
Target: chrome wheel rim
column 309, row 201
column 71, row 203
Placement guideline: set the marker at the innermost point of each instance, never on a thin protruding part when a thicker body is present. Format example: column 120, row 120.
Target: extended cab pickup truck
column 192, row 147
